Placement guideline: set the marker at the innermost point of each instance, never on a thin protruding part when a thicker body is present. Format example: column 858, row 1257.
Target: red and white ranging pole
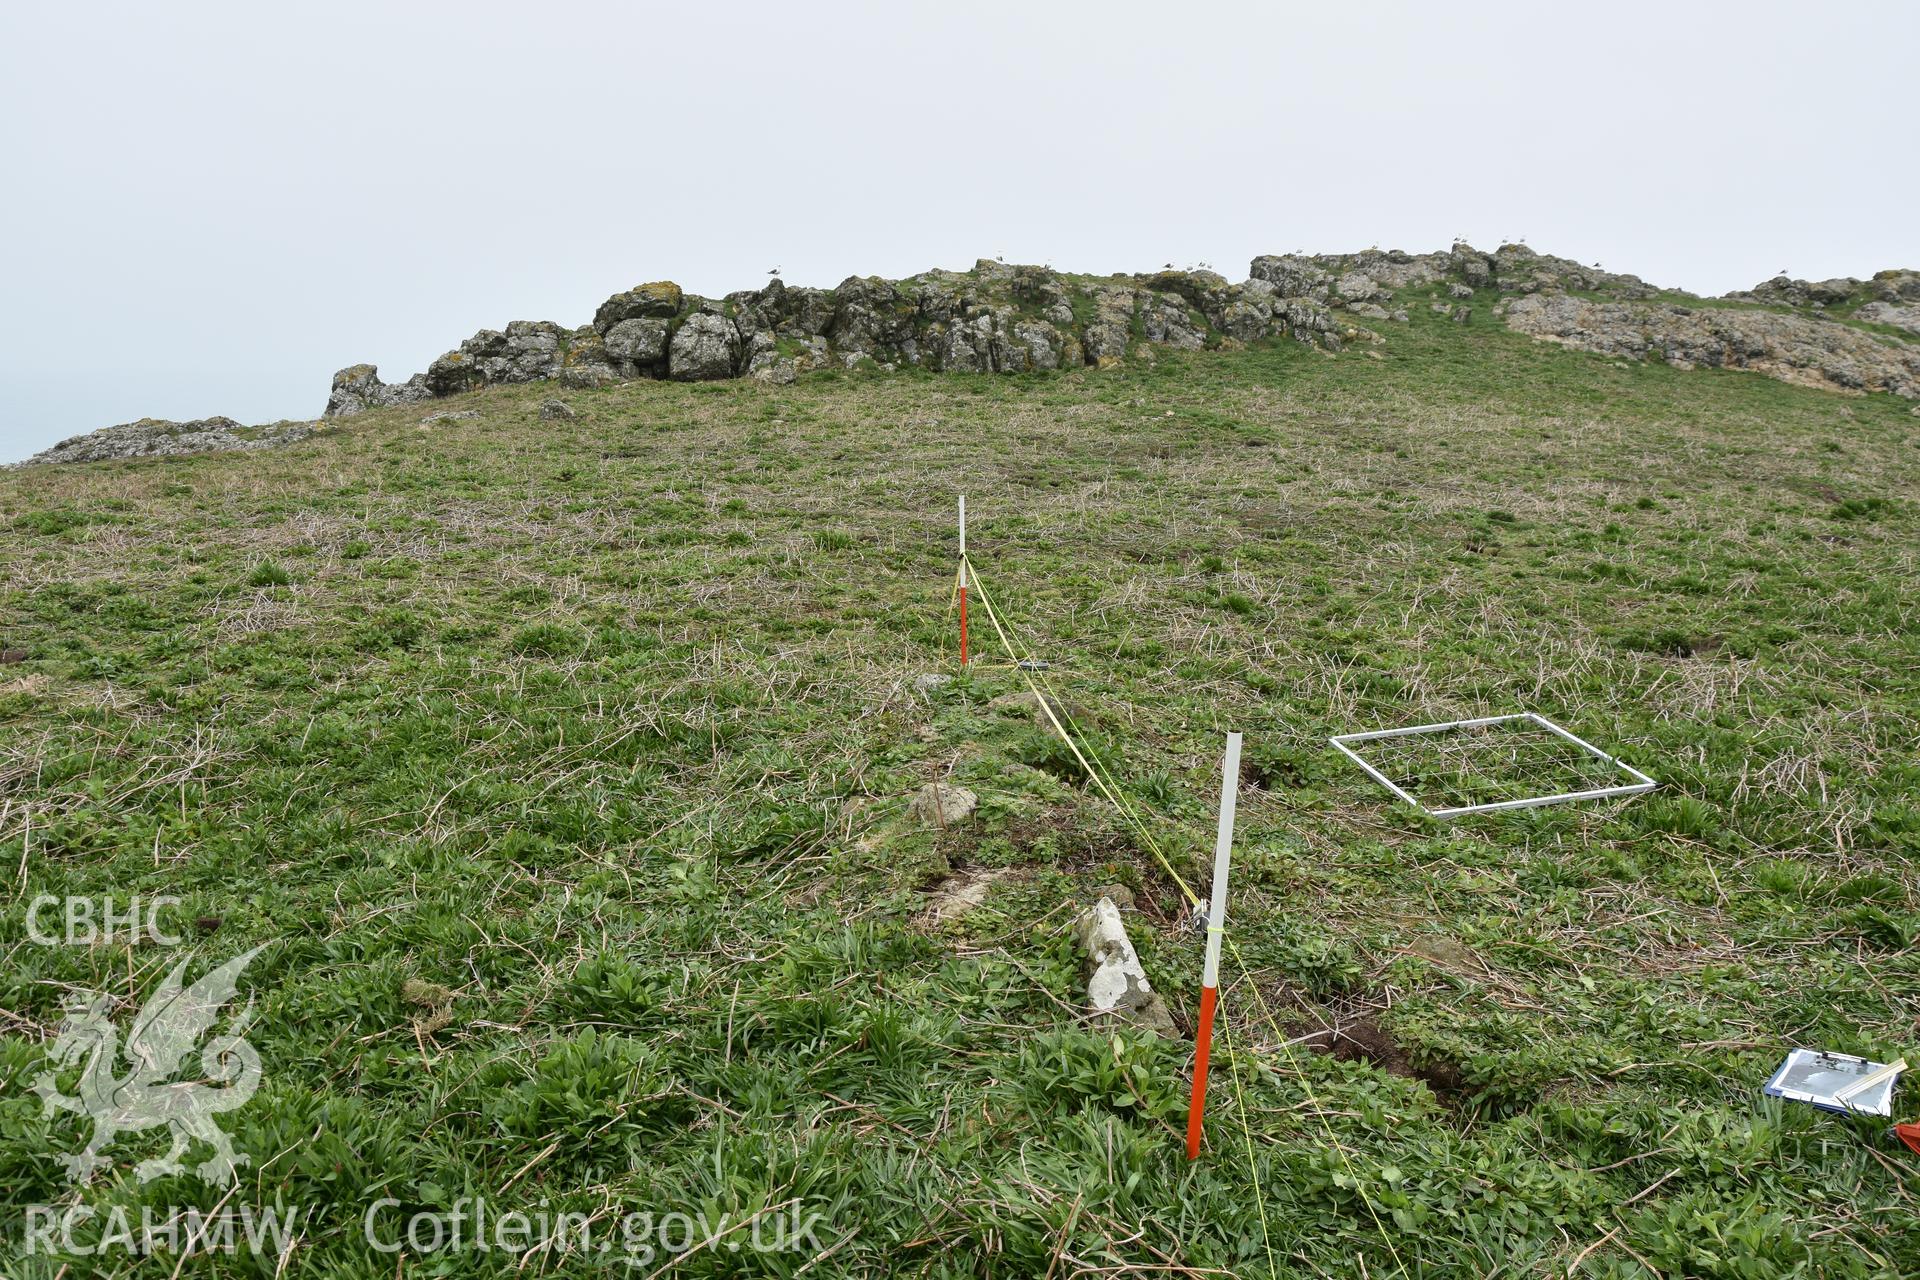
column 963, row 579
column 1216, row 924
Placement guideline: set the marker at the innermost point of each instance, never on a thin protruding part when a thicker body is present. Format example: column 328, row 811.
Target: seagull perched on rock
column 774, row 272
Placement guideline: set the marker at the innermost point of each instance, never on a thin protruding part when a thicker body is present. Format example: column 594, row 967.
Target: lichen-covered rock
column 1518, row 269
column 553, row 409
column 870, row 318
column 1889, row 298
column 585, row 364
column 1784, row 292
column 1793, row 348
column 1899, row 317
column 636, row 347
column 661, row 299
column 1206, row 291
column 1355, row 286
column 1310, row 322
column 1472, row 266
column 1165, row 319
column 1249, row 315
column 1110, row 332
column 789, row 311
column 705, row 347
column 976, row 343
column 1291, row 277
column 1036, row 344
column 1897, row 285
column 454, row 372
column 157, row 438
column 358, row 388
column 528, row 351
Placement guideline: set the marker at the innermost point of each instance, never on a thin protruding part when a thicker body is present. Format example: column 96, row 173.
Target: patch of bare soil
column 1354, row 1034
column 1363, row 1039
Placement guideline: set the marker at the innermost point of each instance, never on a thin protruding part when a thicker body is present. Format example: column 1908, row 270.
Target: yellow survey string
column 1127, row 811
column 1246, row 1134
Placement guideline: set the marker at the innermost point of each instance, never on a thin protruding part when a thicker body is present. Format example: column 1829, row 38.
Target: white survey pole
column 1216, row 926
column 963, row 579
column 1222, row 856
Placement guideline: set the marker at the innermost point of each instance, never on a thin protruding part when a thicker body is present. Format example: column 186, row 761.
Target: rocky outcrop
column 996, row 318
column 1890, row 298
column 358, row 388
column 1001, row 318
column 705, row 348
column 1899, row 317
column 1374, row 277
column 1782, row 292
column 1807, row 350
column 154, row 438
column 1840, row 334
column 528, row 351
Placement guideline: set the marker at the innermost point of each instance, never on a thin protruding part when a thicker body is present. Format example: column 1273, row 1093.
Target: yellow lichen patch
column 661, row 291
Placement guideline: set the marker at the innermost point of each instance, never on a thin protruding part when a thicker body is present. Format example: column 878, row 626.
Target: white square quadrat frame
column 1641, row 783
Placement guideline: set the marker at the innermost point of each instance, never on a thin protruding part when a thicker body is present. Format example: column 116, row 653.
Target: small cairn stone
column 1117, row 984
column 941, row 804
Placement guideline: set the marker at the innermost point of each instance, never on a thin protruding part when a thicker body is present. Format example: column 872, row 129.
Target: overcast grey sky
column 209, row 208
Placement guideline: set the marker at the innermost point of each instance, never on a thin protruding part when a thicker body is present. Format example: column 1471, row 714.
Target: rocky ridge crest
column 157, row 438
column 1844, row 334
column 995, row 318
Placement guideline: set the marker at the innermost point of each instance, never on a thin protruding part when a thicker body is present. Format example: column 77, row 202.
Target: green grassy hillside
column 564, row 766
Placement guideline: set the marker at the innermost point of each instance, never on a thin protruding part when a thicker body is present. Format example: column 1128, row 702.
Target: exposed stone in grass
column 556, row 410
column 961, row 892
column 941, row 804
column 1117, row 984
column 928, row 682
